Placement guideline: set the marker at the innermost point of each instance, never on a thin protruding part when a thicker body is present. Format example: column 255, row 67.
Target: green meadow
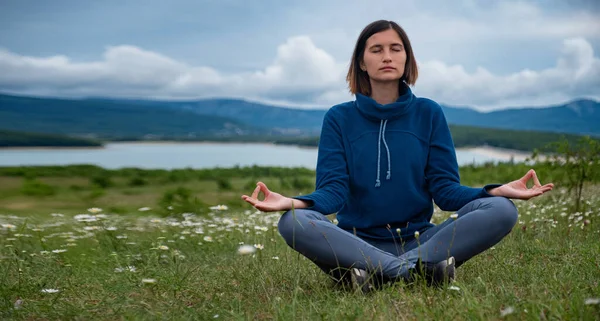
column 83, row 243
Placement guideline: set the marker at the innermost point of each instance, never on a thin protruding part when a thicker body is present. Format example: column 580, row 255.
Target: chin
column 387, row 78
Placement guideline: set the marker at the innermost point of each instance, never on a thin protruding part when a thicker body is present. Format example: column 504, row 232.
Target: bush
column 301, row 183
column 102, row 180
column 180, row 200
column 224, row 184
column 33, row 187
column 137, row 181
column 96, row 193
column 577, row 162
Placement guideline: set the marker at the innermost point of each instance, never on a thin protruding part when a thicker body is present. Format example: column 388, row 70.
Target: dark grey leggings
column 480, row 224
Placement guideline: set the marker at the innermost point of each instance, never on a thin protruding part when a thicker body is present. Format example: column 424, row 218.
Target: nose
column 387, row 57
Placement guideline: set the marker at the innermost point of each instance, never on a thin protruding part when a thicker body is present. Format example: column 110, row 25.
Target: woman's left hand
column 518, row 188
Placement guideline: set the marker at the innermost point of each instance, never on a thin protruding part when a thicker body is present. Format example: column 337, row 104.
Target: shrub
column 137, row 181
column 102, row 180
column 180, row 200
column 224, row 184
column 33, row 187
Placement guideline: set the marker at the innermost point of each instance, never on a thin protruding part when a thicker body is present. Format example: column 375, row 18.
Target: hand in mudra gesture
column 518, row 188
column 273, row 201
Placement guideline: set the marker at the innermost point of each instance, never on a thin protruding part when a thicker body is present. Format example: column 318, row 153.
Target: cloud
column 301, row 73
column 576, row 74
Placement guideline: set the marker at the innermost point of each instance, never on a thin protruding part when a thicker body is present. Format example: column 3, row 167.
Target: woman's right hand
column 273, row 201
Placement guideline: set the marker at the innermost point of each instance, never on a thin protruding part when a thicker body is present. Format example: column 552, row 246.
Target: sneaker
column 436, row 274
column 361, row 280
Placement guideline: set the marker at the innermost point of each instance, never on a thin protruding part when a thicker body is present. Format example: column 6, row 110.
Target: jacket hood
column 373, row 110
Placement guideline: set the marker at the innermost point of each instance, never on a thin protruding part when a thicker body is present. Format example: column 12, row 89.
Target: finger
column 250, row 200
column 255, row 192
column 545, row 187
column 263, row 187
column 536, row 181
column 526, row 177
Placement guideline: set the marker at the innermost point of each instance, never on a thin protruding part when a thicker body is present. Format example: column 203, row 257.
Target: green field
column 81, row 243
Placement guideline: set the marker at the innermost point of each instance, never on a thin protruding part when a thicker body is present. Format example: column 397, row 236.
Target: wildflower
column 155, row 220
column 18, row 304
column 506, row 311
column 417, row 234
column 111, row 228
column 399, row 231
column 259, row 246
column 163, row 247
column 94, row 210
column 59, row 251
column 129, row 268
column 8, row 226
column 148, row 281
column 219, row 208
column 275, row 258
column 246, row 249
column 56, row 215
column 49, row 290
column 453, row 288
column 592, row 301
column 208, row 239
column 454, row 216
column 144, row 209
column 85, row 218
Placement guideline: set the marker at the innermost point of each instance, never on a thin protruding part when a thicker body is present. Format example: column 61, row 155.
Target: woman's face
column 384, row 58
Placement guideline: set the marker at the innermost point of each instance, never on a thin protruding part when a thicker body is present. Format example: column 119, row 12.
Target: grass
column 545, row 268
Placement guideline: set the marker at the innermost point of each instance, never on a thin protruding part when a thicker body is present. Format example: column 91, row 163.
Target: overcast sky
column 483, row 54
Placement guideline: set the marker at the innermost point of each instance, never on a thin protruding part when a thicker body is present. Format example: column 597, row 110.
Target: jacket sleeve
column 331, row 190
column 442, row 173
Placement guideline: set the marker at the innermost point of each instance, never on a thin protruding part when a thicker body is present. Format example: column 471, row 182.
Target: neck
column 384, row 93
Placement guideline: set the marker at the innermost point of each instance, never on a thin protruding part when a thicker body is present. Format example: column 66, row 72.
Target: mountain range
column 121, row 118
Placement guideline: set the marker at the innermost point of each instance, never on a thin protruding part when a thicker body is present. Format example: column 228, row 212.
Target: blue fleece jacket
column 380, row 166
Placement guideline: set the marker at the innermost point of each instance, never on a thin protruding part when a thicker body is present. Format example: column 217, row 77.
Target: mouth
column 387, row 68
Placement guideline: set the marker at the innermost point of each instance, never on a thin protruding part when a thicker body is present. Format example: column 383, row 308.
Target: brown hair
column 358, row 80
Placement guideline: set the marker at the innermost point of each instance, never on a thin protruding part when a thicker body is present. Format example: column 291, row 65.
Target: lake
column 171, row 155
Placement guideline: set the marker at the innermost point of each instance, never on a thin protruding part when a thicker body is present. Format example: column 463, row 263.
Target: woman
column 382, row 159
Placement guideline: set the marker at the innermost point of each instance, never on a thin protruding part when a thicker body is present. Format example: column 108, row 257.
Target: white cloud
column 576, row 74
column 300, row 69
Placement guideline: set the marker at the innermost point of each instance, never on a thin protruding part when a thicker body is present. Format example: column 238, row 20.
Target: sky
column 486, row 55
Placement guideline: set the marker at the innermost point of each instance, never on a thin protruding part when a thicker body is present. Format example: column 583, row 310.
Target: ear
column 362, row 66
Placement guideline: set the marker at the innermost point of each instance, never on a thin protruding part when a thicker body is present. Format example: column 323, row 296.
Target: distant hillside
column 25, row 139
column 577, row 117
column 112, row 119
column 289, row 121
column 120, row 119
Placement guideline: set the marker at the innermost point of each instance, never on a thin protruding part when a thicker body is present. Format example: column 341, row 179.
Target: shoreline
column 485, row 150
column 497, row 152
